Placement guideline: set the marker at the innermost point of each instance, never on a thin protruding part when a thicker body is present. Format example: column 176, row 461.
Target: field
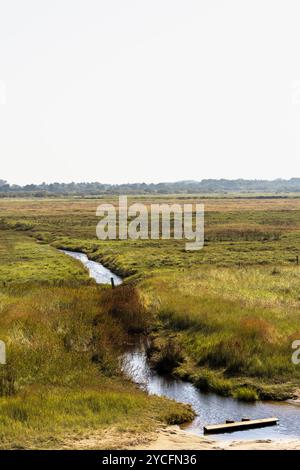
column 62, row 385
column 223, row 317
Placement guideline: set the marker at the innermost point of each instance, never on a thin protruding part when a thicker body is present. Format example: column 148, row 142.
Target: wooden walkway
column 239, row 425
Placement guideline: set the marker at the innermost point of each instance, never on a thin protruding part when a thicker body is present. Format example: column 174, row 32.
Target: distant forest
column 206, row 186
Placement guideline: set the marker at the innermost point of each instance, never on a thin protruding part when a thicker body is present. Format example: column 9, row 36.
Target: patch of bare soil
column 170, row 438
column 174, row 438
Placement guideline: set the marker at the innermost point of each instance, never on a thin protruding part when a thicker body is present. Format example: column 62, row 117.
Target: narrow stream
column 97, row 271
column 210, row 408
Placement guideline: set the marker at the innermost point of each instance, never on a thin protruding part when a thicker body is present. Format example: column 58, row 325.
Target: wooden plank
column 239, row 425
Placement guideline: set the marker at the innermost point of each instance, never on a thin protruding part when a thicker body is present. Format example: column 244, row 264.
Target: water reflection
column 212, row 408
column 97, row 271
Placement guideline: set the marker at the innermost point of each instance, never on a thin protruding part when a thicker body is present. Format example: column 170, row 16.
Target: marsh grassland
column 62, row 384
column 223, row 317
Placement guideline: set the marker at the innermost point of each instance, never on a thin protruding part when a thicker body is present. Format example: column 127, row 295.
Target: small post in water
column 297, row 260
column 112, row 282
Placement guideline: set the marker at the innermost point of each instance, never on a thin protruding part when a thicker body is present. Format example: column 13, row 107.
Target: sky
column 123, row 91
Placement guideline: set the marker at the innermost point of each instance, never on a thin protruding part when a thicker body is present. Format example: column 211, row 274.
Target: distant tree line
column 206, row 186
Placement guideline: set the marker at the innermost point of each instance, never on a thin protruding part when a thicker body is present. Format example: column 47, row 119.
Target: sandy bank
column 174, row 438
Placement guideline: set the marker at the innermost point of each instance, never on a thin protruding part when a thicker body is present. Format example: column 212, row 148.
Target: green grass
column 62, row 381
column 24, row 261
column 240, row 323
column 238, row 232
column 245, row 394
column 59, row 417
column 231, row 308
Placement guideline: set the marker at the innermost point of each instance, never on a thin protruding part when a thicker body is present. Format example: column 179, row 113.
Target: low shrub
column 245, row 394
column 167, row 357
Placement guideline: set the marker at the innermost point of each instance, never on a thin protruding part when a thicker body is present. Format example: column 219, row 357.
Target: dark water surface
column 212, row 408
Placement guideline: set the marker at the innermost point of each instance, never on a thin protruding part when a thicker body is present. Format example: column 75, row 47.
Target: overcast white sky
column 149, row 90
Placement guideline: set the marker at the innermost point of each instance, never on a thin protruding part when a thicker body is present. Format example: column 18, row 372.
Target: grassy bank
column 62, row 382
column 234, row 328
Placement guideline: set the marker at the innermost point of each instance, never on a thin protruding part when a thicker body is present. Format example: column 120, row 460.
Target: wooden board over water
column 239, row 425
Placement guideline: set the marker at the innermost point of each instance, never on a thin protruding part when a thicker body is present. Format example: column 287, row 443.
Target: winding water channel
column 209, row 407
column 96, row 270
